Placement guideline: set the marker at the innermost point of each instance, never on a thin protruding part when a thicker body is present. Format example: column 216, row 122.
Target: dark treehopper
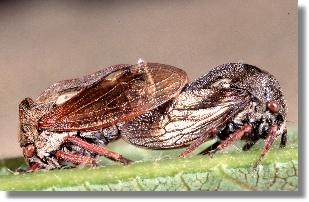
column 150, row 105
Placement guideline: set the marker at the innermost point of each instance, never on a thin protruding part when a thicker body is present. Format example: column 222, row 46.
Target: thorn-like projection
column 141, row 61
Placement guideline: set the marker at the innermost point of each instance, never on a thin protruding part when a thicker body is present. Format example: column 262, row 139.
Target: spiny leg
column 210, row 133
column 74, row 158
column 97, row 149
column 271, row 137
column 237, row 135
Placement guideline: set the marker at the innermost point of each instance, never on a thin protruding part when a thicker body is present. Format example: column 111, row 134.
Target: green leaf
column 226, row 171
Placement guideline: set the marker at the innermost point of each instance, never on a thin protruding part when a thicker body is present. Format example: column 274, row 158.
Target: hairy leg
column 271, row 137
column 206, row 136
column 75, row 158
column 236, row 135
column 97, row 149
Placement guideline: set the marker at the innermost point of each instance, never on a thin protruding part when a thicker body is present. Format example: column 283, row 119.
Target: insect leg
column 248, row 145
column 74, row 158
column 237, row 135
column 34, row 167
column 283, row 139
column 97, row 149
column 210, row 133
column 36, row 164
column 271, row 136
column 210, row 148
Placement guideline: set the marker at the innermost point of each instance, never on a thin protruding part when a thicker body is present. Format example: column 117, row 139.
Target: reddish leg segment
column 237, row 135
column 34, row 167
column 198, row 142
column 270, row 139
column 75, row 158
column 97, row 149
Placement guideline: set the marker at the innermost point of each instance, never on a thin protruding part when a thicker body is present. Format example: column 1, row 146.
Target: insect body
column 150, row 105
column 232, row 102
column 72, row 119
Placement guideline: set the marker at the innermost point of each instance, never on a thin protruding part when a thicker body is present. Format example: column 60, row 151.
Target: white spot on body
column 65, row 97
column 223, row 83
column 50, row 142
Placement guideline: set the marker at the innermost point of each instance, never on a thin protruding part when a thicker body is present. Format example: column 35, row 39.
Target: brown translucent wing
column 51, row 94
column 192, row 114
column 120, row 96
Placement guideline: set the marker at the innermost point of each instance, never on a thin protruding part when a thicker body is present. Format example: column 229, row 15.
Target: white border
column 302, row 3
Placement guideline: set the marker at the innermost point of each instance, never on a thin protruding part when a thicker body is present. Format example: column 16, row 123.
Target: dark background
column 42, row 42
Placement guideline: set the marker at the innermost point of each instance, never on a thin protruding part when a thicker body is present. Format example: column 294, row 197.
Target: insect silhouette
column 151, row 105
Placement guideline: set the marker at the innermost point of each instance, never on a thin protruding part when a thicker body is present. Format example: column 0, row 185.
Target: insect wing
column 73, row 86
column 192, row 114
column 120, row 96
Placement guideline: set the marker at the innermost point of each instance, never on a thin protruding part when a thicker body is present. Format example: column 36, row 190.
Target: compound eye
column 273, row 106
column 29, row 150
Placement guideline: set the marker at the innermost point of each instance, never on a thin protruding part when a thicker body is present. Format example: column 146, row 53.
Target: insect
column 71, row 121
column 232, row 102
column 152, row 107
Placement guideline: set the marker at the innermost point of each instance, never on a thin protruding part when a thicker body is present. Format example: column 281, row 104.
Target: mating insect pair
column 150, row 105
